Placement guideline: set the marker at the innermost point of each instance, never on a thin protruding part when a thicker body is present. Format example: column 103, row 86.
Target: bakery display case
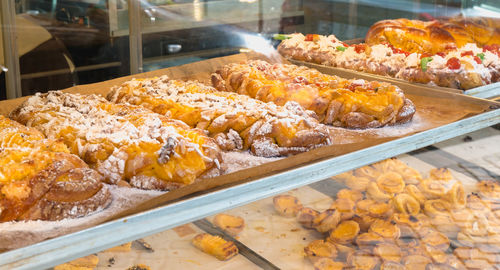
column 250, row 134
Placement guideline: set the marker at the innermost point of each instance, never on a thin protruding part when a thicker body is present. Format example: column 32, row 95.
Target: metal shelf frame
column 59, row 250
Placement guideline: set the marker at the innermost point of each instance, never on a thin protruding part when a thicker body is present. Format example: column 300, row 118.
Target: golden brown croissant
column 122, row 142
column 336, row 101
column 235, row 121
column 40, row 179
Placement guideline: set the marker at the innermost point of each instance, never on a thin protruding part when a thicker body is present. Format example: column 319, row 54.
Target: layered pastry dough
column 336, row 101
column 463, row 68
column 41, row 180
column 122, row 142
column 434, row 36
column 237, row 122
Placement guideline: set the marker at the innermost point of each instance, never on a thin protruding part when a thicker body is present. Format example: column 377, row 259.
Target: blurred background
column 61, row 43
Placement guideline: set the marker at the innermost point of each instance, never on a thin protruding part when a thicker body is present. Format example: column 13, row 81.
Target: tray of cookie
column 377, row 216
column 166, row 145
column 432, row 53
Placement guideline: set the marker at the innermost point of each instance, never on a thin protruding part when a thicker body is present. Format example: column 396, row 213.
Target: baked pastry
column 345, row 232
column 327, row 220
column 409, row 175
column 353, row 195
column 416, row 193
column 237, row 122
column 306, row 217
column 463, row 68
column 434, row 36
column 362, row 259
column 287, row 205
column 319, row 249
column 345, row 207
column 336, row 101
column 369, row 240
column 406, row 204
column 391, row 266
column 41, row 180
column 230, row 224
column 215, row 246
column 122, row 142
column 416, row 262
column 328, row 264
column 388, row 252
column 489, row 190
column 385, row 228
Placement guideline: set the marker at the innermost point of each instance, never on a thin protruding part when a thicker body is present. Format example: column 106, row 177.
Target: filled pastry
column 41, row 180
column 336, row 101
column 236, row 122
column 123, row 142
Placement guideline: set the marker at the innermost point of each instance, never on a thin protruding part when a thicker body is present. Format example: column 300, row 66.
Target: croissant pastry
column 41, row 180
column 237, row 122
column 122, row 142
column 336, row 101
column 406, row 204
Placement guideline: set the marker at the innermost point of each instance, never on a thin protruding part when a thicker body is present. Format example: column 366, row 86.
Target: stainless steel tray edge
column 55, row 251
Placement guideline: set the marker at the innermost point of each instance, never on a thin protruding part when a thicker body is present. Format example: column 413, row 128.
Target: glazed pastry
column 435, row 239
column 456, row 196
column 41, row 180
column 369, row 240
column 445, row 224
column 123, row 142
column 406, row 204
column 433, row 36
column 328, row 264
column 327, row 220
column 287, row 205
column 368, row 172
column 345, row 232
column 489, row 190
column 385, row 228
column 409, row 175
column 462, row 68
column 391, row 266
column 434, row 208
column 364, row 221
column 388, row 252
column 362, row 259
column 433, row 189
column 374, row 192
column 442, row 174
column 336, row 101
column 416, row 262
column 319, row 249
column 353, row 195
column 345, row 207
column 215, row 246
column 306, row 217
column 416, row 193
column 409, row 225
column 391, row 182
column 230, row 224
column 237, row 122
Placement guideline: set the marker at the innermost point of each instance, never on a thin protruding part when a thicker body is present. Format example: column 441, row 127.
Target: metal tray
column 199, row 205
